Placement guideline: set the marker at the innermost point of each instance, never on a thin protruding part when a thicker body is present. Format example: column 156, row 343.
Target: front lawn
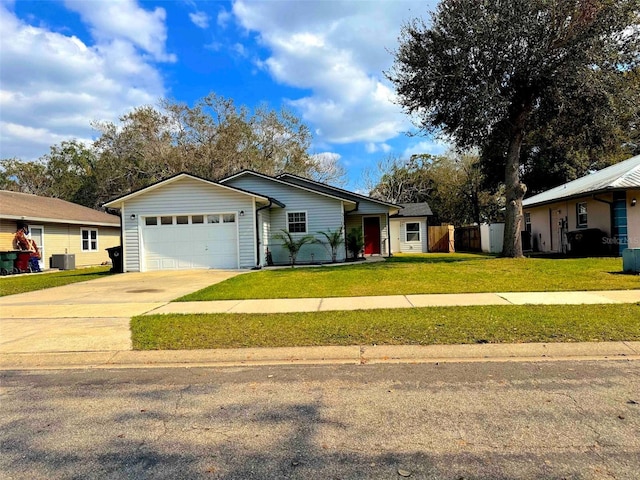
column 426, row 273
column 414, row 326
column 29, row 282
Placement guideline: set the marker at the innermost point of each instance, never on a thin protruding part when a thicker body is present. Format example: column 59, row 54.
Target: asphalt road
column 555, row 420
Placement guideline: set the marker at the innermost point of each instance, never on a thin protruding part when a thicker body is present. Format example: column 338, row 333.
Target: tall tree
column 486, row 66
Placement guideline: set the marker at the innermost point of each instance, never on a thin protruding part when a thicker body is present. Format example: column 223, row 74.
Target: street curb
column 348, row 355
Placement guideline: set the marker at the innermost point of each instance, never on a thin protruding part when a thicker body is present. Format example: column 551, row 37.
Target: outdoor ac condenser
column 66, row 261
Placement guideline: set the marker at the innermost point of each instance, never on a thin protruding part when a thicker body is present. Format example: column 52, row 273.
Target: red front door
column 371, row 235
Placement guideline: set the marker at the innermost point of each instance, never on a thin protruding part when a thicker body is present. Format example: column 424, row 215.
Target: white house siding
column 402, row 244
column 323, row 214
column 188, row 196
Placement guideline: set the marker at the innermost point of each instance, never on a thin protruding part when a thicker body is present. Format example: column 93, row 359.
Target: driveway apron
column 94, row 315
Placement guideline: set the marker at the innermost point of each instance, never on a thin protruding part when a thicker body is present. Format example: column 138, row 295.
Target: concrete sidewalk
column 353, row 355
column 283, row 305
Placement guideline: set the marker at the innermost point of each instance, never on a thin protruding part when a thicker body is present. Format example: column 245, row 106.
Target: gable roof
column 289, row 177
column 288, row 184
column 33, row 208
column 114, row 203
column 623, row 175
column 421, row 209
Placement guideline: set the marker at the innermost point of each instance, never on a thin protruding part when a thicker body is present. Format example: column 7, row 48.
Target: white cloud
column 338, row 50
column 53, row 86
column 377, row 147
column 125, row 20
column 200, row 19
column 431, row 147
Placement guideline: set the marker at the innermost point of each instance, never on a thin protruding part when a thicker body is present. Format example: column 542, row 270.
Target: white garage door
column 190, row 241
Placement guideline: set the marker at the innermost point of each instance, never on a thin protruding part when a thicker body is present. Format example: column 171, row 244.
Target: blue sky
column 65, row 64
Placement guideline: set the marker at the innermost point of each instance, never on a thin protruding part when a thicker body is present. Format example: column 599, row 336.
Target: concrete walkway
column 400, row 301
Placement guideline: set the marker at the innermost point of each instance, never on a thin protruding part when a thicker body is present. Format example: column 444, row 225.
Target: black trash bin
column 115, row 254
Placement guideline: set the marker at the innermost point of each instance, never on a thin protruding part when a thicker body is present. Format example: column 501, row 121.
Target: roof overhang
column 118, row 202
column 288, row 184
column 26, row 218
column 575, row 197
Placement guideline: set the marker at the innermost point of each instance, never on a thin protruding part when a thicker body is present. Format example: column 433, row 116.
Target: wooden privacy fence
column 441, row 239
column 468, row 239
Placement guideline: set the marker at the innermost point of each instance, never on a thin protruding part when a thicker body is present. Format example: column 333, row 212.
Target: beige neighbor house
column 600, row 208
column 58, row 227
column 409, row 228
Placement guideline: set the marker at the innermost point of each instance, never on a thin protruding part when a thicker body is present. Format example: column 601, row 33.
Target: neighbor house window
column 297, row 222
column 413, row 232
column 89, row 239
column 581, row 213
column 527, row 221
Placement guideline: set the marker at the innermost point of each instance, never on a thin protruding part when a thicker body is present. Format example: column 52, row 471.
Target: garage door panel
column 185, row 246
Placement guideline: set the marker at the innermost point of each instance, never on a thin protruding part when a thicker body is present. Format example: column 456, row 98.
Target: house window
column 228, row 218
column 89, row 239
column 527, row 221
column 213, row 218
column 182, row 219
column 581, row 214
column 166, row 220
column 151, row 221
column 413, row 232
column 297, row 222
column 197, row 219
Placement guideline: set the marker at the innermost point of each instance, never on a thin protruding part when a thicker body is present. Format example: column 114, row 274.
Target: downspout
column 258, row 231
column 388, row 236
column 346, row 250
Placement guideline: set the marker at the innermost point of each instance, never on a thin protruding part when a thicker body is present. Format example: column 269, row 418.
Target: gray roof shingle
column 623, row 175
column 414, row 210
column 16, row 205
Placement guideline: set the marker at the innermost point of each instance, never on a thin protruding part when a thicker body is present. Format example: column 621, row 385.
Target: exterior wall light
column 242, row 213
column 133, row 216
column 633, row 202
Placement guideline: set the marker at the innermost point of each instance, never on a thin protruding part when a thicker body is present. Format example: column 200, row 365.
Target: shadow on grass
column 440, row 258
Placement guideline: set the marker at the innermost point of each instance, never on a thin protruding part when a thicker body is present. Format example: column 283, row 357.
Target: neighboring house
column 58, row 227
column 605, row 200
column 409, row 228
column 190, row 222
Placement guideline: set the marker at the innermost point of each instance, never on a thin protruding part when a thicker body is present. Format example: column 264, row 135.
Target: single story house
column 409, row 228
column 58, row 227
column 190, row 222
column 605, row 200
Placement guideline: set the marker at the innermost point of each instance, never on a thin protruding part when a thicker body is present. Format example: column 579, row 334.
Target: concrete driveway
column 94, row 315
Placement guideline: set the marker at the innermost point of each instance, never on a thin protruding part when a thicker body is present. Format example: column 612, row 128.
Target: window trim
column 406, row 232
column 527, row 222
column 306, row 221
column 578, row 214
column 89, row 230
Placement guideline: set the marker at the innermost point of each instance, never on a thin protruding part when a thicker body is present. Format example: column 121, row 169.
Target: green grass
column 426, row 273
column 423, row 326
column 29, row 282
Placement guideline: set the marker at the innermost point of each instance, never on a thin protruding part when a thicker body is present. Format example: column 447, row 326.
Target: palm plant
column 355, row 242
column 293, row 245
column 334, row 240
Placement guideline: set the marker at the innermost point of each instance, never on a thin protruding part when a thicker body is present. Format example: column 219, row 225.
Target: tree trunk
column 515, row 190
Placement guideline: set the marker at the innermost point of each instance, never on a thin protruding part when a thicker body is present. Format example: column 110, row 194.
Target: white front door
column 37, row 235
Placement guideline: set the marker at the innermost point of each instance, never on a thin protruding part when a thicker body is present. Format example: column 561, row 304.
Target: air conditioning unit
column 631, row 260
column 66, row 261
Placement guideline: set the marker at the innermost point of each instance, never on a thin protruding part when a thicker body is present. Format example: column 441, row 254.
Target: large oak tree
column 483, row 68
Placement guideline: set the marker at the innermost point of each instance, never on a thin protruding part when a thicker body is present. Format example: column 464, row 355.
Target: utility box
column 66, row 261
column 631, row 260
